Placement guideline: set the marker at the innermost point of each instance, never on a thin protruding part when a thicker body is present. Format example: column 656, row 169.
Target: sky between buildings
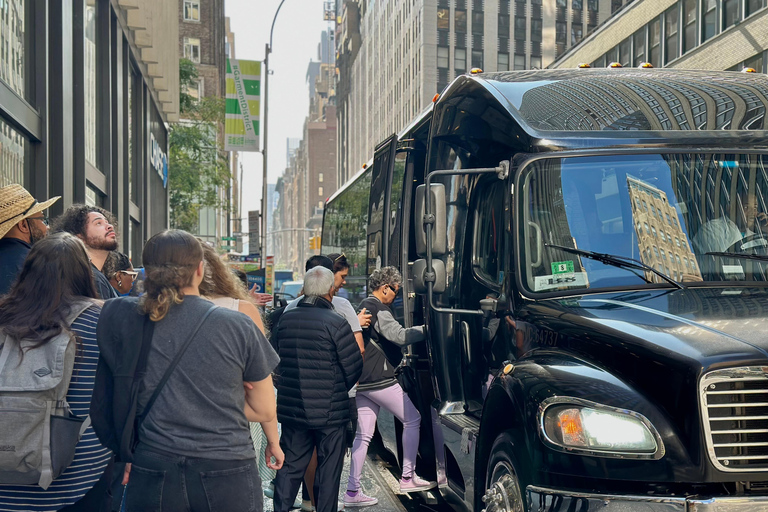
column 294, row 44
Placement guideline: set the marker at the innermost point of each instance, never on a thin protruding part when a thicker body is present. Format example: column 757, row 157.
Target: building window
column 753, row 6
column 536, row 31
column 12, row 149
column 577, row 5
column 460, row 21
column 191, row 10
column 460, row 59
column 320, row 191
column 442, row 57
column 504, row 26
column 689, row 18
column 443, row 19
column 519, row 61
column 320, row 177
column 654, row 41
column 561, row 34
column 502, row 62
column 577, row 33
column 192, row 49
column 477, row 59
column 671, row 41
column 320, row 204
column 730, row 13
column 520, row 29
column 709, row 25
column 90, row 89
column 624, row 52
column 196, row 89
column 593, row 5
column 477, row 22
column 535, row 62
column 639, row 40
column 12, row 44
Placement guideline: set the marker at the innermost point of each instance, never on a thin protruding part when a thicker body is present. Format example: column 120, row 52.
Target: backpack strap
column 171, row 367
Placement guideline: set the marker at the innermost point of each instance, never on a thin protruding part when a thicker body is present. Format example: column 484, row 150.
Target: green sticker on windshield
column 562, row 267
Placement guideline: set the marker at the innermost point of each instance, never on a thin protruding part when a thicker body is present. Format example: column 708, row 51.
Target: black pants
column 298, row 444
column 166, row 482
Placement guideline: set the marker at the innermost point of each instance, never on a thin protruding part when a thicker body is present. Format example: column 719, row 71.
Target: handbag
column 406, row 376
column 129, row 437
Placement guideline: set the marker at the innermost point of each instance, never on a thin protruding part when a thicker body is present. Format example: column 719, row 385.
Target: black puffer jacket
column 319, row 363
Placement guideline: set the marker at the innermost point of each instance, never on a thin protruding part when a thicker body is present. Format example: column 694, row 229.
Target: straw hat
column 17, row 204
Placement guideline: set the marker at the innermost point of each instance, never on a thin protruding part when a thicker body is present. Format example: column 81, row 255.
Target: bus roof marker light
column 583, row 65
column 475, row 71
column 435, row 97
column 645, row 65
column 615, row 65
column 749, row 70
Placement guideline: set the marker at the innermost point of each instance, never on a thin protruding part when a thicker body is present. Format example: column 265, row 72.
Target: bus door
column 483, row 272
column 377, row 207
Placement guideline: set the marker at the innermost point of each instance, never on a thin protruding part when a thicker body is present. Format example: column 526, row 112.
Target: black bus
column 591, row 261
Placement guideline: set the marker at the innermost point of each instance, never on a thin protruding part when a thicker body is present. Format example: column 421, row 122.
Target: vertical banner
column 270, row 272
column 241, row 126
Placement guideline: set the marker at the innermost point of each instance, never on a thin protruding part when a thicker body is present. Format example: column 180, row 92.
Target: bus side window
column 488, row 235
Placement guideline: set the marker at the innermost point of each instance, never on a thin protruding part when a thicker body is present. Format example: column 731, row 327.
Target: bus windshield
column 695, row 217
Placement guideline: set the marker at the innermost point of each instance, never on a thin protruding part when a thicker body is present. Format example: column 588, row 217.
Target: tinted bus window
column 395, row 209
column 344, row 231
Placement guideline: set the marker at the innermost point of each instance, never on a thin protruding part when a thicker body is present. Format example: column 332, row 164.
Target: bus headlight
column 575, row 426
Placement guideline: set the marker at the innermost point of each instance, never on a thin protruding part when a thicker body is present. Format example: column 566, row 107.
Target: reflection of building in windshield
column 660, row 237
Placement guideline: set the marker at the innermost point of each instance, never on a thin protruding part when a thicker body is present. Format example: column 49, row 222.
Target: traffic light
column 314, row 242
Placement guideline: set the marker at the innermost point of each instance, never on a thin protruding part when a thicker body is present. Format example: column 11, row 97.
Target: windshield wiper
column 618, row 261
column 759, row 257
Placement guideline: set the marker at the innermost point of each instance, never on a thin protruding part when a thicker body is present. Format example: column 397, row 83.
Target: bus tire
column 504, row 480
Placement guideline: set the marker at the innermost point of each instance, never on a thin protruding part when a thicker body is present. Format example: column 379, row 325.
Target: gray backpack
column 39, row 433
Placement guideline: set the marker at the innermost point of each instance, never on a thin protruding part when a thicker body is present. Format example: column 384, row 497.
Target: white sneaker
column 415, row 484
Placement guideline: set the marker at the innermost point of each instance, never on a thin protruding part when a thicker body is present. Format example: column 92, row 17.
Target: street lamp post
column 267, row 51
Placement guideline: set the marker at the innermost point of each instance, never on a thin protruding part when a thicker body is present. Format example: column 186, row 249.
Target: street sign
column 229, row 238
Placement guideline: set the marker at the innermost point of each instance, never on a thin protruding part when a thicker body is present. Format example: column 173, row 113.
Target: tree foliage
column 197, row 163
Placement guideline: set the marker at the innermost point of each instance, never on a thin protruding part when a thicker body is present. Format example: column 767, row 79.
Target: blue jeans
column 165, row 482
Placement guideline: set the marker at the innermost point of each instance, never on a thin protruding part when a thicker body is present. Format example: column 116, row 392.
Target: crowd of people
column 146, row 399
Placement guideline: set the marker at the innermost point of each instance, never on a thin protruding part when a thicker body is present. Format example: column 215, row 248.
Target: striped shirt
column 90, row 457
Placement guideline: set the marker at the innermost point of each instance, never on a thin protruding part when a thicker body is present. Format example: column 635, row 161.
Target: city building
column 87, row 88
column 310, row 177
column 205, row 38
column 686, row 34
column 392, row 57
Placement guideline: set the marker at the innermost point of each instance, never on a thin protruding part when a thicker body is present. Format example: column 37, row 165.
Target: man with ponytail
column 194, row 441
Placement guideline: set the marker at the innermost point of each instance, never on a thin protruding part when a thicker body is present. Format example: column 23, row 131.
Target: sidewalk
column 374, row 484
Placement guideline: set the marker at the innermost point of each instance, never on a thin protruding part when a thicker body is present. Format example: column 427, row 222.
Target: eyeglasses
column 129, row 273
column 43, row 219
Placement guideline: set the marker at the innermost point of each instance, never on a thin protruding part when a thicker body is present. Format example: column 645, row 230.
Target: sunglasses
column 342, row 255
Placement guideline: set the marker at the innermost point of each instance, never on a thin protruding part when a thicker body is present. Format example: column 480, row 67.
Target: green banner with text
column 243, row 105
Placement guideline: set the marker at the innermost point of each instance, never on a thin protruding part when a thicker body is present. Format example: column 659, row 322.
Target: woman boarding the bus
column 379, row 388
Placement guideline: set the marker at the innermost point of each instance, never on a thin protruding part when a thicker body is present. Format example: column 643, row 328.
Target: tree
column 197, row 163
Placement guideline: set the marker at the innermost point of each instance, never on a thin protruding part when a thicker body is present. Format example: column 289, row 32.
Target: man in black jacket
column 320, row 362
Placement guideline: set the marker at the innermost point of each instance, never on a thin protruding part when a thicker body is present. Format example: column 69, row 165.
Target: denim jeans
column 166, row 482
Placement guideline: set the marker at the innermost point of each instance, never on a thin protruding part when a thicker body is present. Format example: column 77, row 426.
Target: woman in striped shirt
column 56, row 275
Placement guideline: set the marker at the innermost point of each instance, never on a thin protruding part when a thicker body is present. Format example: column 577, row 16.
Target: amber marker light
column 645, row 65
column 571, row 429
column 749, row 70
column 434, row 98
column 475, row 71
column 615, row 65
column 584, row 65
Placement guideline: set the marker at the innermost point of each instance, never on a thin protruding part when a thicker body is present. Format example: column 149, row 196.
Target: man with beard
column 92, row 225
column 22, row 223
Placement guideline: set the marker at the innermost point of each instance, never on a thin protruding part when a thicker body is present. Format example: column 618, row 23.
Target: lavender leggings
column 394, row 400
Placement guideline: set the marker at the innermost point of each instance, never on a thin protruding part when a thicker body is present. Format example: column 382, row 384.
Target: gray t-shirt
column 342, row 307
column 199, row 412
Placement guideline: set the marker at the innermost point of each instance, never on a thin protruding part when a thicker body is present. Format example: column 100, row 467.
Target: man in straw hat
column 22, row 223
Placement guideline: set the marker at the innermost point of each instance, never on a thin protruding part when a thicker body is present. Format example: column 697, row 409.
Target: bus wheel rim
column 503, row 493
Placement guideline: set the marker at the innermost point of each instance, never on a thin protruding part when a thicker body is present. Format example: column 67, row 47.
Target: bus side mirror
column 419, row 270
column 439, row 235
